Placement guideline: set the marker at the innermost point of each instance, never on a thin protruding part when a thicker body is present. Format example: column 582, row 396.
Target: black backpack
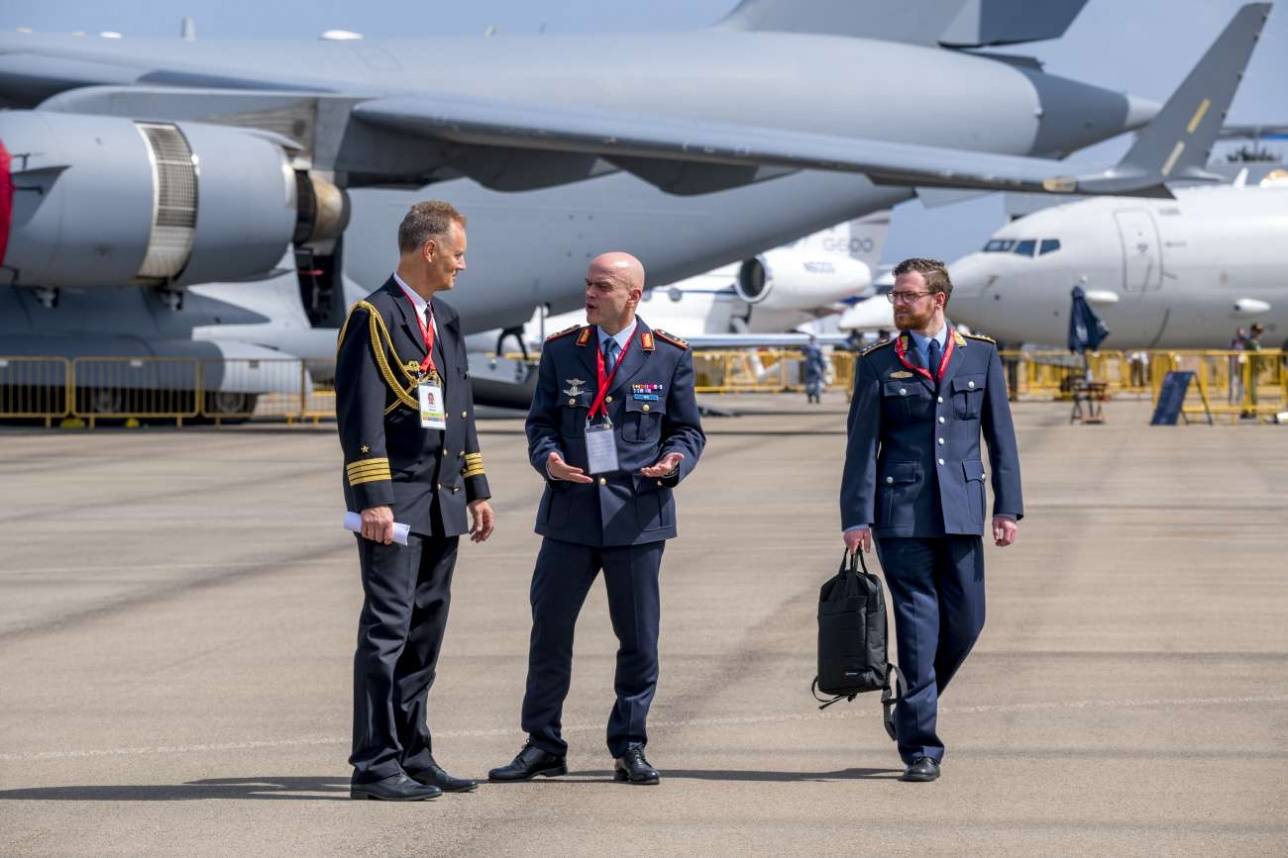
column 852, row 647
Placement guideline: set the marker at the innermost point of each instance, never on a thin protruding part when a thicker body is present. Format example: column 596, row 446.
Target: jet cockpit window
column 1049, row 245
column 1026, row 247
column 999, row 245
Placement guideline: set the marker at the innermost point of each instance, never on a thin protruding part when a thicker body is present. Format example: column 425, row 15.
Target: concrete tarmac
column 178, row 612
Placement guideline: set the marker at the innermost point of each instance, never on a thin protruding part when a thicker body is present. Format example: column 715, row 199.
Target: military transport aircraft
column 137, row 168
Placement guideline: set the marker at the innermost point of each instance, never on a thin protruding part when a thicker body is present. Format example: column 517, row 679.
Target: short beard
column 917, row 321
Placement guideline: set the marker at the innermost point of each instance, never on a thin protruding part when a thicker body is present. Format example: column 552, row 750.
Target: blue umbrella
column 1086, row 330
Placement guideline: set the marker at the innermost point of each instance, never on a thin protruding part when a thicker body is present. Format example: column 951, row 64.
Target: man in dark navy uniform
column 411, row 454
column 914, row 480
column 613, row 427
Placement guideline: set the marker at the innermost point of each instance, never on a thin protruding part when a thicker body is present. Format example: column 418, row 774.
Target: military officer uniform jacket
column 913, row 465
column 654, row 412
column 389, row 459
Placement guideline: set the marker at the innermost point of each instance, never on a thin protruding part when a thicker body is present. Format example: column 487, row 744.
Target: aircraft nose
column 968, row 275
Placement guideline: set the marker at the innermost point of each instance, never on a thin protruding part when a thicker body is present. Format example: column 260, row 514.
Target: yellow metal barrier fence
column 35, row 388
column 1227, row 383
column 1234, row 384
column 152, row 388
column 765, row 371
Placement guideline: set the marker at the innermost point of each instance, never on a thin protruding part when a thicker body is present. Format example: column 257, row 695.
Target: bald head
column 618, row 265
column 614, row 286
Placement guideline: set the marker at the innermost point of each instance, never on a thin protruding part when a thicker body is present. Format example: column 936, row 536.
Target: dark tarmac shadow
column 753, row 776
column 272, row 788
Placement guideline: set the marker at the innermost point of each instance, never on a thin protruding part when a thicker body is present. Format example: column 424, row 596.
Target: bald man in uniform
column 613, row 428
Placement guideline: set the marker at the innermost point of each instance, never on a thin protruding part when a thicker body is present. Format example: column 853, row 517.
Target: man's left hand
column 482, row 520
column 1004, row 530
column 663, row 467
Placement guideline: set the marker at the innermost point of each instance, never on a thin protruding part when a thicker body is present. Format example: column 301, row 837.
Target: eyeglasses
column 905, row 297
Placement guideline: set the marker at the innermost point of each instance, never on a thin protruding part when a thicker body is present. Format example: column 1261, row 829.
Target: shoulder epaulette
column 876, row 346
column 565, row 332
column 671, row 338
column 981, row 337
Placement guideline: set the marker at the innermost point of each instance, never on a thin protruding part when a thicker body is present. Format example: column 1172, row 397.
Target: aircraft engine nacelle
column 792, row 280
column 103, row 201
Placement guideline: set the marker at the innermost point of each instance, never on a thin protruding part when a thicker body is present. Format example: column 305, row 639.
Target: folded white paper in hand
column 353, row 522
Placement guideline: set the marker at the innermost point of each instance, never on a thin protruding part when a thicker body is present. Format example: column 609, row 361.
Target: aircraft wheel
column 102, row 400
column 230, row 405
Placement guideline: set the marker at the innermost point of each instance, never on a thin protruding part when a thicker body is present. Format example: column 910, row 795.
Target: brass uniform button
column 608, row 399
column 572, row 402
column 463, row 413
column 603, row 481
column 645, row 406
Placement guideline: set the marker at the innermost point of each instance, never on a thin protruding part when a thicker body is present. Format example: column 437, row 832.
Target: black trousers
column 937, row 589
column 562, row 578
column 400, row 633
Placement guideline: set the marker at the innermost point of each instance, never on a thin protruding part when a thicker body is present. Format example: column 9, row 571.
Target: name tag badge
column 433, row 413
column 601, row 449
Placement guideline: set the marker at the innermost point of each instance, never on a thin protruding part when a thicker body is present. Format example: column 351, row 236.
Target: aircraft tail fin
column 947, row 23
column 1177, row 142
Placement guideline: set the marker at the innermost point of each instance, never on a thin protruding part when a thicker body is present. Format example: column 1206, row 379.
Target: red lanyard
column 901, row 351
column 426, row 331
column 606, row 379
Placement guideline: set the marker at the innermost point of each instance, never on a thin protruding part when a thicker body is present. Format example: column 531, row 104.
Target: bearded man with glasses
column 914, row 484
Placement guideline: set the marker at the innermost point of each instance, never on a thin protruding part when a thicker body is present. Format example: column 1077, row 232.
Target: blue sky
column 1145, row 47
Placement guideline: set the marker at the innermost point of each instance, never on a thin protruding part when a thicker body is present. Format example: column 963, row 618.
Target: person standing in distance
column 411, row 454
column 613, row 427
column 914, row 481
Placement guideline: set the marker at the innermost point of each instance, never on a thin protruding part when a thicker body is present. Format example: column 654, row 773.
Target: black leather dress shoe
column 921, row 770
column 530, row 762
column 435, row 776
column 397, row 787
column 633, row 768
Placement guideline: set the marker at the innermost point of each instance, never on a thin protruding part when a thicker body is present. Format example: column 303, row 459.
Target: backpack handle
column 854, row 562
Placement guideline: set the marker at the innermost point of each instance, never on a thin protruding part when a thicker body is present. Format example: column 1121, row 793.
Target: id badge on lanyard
column 429, row 391
column 433, row 410
column 601, row 448
column 601, row 443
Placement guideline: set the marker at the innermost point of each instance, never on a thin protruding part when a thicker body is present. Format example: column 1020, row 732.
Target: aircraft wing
column 627, row 140
column 1172, row 146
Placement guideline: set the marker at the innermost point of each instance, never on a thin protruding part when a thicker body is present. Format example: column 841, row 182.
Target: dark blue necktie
column 934, row 352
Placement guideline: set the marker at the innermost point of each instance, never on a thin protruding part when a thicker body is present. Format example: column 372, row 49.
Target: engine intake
column 790, row 279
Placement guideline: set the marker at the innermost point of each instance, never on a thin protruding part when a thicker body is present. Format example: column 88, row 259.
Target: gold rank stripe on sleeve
column 368, row 471
column 473, row 465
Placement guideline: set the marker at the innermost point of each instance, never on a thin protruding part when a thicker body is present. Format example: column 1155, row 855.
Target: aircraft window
column 1026, row 247
column 999, row 245
column 1049, row 245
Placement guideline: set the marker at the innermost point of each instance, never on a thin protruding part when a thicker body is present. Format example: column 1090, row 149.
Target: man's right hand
column 378, row 524
column 558, row 469
column 859, row 537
